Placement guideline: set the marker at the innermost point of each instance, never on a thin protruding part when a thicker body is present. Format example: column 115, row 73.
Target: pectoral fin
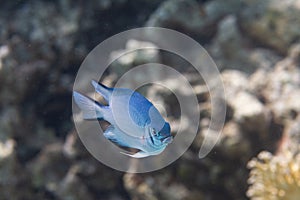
column 115, row 135
column 139, row 154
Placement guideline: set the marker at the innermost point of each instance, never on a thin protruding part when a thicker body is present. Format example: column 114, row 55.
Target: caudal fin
column 106, row 92
column 90, row 108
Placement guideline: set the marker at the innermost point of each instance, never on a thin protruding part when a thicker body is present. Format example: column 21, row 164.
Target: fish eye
column 153, row 131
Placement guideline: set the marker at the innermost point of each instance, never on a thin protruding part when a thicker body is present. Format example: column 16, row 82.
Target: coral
column 274, row 177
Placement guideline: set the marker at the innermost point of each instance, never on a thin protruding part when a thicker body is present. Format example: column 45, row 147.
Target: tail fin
column 106, row 92
column 90, row 108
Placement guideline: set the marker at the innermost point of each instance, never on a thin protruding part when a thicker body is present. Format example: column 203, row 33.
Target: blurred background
column 256, row 46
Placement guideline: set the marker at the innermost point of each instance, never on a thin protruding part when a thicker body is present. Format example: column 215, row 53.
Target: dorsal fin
column 104, row 91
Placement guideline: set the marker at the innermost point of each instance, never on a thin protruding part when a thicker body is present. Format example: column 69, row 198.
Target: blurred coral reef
column 256, row 46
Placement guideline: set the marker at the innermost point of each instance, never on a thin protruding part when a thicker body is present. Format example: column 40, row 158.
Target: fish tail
column 106, row 92
column 91, row 109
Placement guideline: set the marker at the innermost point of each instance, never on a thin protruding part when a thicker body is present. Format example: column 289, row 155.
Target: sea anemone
column 274, row 177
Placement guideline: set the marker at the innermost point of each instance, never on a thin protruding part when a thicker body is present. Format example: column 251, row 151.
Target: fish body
column 134, row 121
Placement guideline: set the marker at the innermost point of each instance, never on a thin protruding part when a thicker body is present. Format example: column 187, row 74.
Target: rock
column 291, row 136
column 70, row 147
column 228, row 46
column 59, row 31
column 72, row 187
column 91, row 171
column 12, row 174
column 231, row 50
column 6, row 149
column 29, row 77
column 262, row 58
column 44, row 170
column 257, row 82
column 234, row 81
column 287, row 107
column 23, row 80
column 4, row 51
column 139, row 188
column 176, row 191
column 233, row 144
column 273, row 23
column 9, row 120
column 294, row 52
column 190, row 16
column 178, row 14
column 249, row 112
column 135, row 53
column 281, row 89
column 157, row 187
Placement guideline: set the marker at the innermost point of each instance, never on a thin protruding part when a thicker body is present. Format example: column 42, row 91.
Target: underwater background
column 256, row 46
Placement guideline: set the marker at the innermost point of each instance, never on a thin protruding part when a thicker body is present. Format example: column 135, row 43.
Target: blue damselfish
column 134, row 121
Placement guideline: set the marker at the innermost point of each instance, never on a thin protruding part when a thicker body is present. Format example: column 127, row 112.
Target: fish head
column 163, row 135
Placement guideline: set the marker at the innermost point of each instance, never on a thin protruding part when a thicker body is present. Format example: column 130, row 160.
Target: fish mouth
column 167, row 140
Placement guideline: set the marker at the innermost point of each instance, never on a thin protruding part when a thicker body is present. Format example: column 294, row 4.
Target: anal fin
column 139, row 154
